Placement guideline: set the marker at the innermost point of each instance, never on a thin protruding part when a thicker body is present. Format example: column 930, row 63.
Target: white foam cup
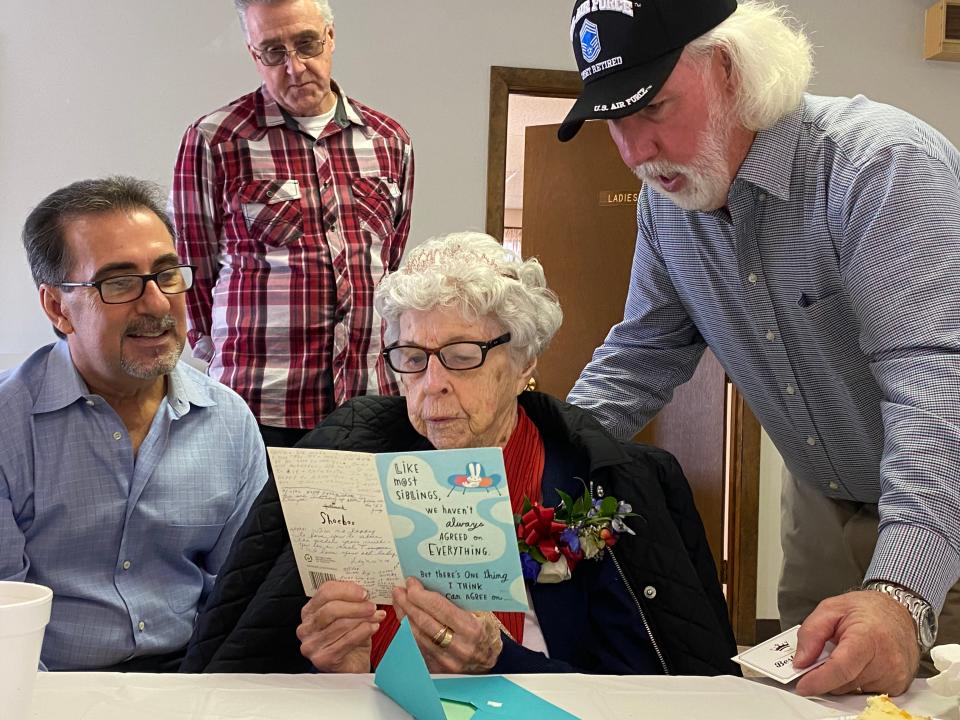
column 24, row 613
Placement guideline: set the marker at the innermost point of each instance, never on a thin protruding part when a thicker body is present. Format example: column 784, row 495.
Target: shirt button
column 126, row 565
column 141, row 625
column 91, row 403
column 790, row 389
column 117, row 435
column 770, row 335
column 834, row 486
column 752, row 277
column 811, row 441
column 649, row 592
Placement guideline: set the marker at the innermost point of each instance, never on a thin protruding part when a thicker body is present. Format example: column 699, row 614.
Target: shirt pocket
column 833, row 330
column 271, row 210
column 190, row 532
column 377, row 202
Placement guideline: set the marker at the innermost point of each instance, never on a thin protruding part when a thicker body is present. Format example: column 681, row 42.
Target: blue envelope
column 402, row 674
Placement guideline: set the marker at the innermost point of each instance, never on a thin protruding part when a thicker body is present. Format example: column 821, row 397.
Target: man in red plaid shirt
column 292, row 201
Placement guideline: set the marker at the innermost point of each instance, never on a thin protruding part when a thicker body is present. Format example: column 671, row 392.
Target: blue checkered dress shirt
column 129, row 545
column 829, row 289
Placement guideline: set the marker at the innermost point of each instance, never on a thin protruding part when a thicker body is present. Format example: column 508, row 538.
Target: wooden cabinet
column 941, row 39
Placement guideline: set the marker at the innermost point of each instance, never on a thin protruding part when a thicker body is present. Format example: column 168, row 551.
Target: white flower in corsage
column 554, row 572
column 592, row 544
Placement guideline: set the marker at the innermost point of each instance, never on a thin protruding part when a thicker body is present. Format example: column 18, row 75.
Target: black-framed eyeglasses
column 121, row 289
column 277, row 55
column 463, row 355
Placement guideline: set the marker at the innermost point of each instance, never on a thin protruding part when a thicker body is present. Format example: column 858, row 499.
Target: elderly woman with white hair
column 465, row 323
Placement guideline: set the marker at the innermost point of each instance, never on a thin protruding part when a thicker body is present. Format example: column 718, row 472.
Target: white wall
column 96, row 87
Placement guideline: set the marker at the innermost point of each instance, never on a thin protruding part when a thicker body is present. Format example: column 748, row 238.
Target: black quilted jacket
column 250, row 619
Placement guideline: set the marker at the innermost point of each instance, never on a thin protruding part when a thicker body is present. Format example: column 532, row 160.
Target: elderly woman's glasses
column 464, row 355
column 305, row 49
column 127, row 288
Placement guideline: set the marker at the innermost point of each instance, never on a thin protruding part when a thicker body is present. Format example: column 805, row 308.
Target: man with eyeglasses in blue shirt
column 124, row 473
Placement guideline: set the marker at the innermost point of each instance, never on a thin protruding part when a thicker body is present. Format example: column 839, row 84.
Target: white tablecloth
column 115, row 696
column 918, row 700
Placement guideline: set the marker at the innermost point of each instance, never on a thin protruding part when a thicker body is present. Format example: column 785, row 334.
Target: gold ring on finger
column 447, row 638
column 439, row 635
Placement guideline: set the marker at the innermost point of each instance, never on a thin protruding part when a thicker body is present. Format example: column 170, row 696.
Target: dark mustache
column 151, row 325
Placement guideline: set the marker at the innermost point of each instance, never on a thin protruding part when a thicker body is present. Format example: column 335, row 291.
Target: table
column 918, row 700
column 117, row 696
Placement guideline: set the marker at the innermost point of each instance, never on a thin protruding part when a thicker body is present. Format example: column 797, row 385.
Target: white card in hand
column 774, row 658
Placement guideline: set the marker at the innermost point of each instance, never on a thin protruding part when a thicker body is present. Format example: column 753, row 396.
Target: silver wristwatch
column 923, row 615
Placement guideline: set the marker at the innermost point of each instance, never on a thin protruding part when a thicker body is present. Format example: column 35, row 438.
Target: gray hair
column 241, row 5
column 771, row 59
column 43, row 232
column 475, row 275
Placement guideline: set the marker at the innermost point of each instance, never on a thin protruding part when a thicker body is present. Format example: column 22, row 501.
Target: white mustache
column 653, row 170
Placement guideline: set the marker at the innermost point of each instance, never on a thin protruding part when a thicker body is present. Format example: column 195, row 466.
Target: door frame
column 506, row 81
column 739, row 572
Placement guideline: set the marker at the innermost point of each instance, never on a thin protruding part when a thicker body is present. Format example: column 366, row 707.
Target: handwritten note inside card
column 337, row 520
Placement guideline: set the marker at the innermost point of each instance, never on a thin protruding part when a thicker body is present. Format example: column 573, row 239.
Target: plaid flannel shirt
column 290, row 236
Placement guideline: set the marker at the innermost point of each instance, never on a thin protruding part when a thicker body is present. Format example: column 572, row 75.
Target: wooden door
column 579, row 219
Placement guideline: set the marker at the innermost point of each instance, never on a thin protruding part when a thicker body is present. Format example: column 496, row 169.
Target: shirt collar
column 183, row 390
column 62, row 385
column 769, row 164
column 270, row 114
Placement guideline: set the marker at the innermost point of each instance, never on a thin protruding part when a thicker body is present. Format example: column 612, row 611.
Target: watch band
column 920, row 610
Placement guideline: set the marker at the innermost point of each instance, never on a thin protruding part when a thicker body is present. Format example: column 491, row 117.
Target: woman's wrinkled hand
column 476, row 643
column 337, row 626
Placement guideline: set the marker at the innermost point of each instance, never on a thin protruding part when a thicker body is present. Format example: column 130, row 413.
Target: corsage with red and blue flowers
column 553, row 540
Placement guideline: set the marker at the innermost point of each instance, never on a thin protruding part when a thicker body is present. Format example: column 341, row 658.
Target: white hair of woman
column 241, row 5
column 475, row 275
column 771, row 60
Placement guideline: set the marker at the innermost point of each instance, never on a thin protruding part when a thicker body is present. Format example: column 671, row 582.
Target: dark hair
column 43, row 232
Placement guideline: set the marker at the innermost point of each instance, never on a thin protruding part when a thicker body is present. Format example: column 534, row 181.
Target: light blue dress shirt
column 129, row 545
column 830, row 293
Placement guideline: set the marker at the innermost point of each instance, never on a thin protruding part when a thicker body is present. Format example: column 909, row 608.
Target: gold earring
column 531, row 385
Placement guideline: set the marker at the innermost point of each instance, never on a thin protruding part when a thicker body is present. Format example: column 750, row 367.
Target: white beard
column 707, row 176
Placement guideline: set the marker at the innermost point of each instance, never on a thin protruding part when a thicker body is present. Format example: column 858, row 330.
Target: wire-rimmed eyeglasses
column 277, row 55
column 121, row 289
column 463, row 355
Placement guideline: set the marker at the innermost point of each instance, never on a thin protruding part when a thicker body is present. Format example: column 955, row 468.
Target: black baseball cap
column 626, row 50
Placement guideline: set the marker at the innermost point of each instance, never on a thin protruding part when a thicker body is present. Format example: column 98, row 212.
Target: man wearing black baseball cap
column 641, row 44
column 776, row 228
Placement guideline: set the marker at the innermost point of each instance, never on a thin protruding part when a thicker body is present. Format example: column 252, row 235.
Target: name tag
column 774, row 658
